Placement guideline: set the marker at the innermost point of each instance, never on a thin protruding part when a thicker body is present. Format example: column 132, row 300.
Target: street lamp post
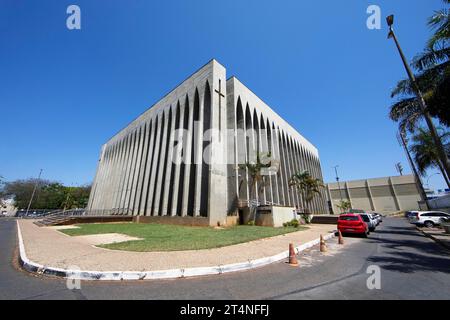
column 403, row 143
column 34, row 191
column 428, row 179
column 339, row 185
column 442, row 155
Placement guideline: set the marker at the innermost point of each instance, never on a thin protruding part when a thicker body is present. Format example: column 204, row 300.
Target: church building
column 186, row 158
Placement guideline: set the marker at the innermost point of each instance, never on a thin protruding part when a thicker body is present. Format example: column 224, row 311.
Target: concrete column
column 107, row 174
column 142, row 168
column 137, row 168
column 166, row 186
column 397, row 202
column 247, row 148
column 130, row 181
column 127, row 174
column 331, row 200
column 123, row 167
column 155, row 162
column 232, row 156
column 116, row 157
column 275, row 183
column 265, row 149
column 176, row 156
column 324, row 203
column 94, row 184
column 280, row 180
column 95, row 196
column 285, row 169
column 199, row 153
column 217, row 205
column 143, row 207
column 100, row 187
column 290, row 170
column 315, row 176
column 110, row 173
column 297, row 169
column 187, row 158
column 162, row 164
column 261, row 147
column 372, row 203
column 348, row 194
column 294, row 169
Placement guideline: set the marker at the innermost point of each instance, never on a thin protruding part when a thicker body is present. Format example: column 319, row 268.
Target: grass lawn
column 164, row 237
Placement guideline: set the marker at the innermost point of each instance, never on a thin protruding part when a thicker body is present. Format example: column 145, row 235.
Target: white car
column 369, row 220
column 428, row 219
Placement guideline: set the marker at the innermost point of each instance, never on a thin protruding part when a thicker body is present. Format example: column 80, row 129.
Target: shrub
column 293, row 223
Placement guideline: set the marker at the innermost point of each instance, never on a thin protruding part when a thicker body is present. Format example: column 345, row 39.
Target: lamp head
column 390, row 20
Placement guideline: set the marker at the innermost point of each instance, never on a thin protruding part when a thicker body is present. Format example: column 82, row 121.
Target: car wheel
column 428, row 224
column 365, row 234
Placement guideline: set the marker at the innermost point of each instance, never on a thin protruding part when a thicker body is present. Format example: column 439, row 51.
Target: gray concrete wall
column 140, row 171
column 386, row 194
column 273, row 134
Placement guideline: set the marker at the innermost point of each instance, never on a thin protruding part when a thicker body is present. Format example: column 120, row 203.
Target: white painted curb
column 159, row 274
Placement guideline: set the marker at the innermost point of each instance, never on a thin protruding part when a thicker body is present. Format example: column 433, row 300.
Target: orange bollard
column 323, row 245
column 292, row 256
column 341, row 239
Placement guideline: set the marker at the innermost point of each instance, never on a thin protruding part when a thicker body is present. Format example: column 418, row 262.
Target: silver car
column 369, row 220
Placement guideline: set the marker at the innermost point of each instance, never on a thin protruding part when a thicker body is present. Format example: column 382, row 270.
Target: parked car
column 352, row 223
column 428, row 219
column 378, row 216
column 369, row 220
column 410, row 214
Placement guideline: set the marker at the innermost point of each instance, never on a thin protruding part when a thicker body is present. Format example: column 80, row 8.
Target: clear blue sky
column 64, row 93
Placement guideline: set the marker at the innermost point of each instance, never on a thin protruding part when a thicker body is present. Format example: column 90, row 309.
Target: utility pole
column 399, row 168
column 339, row 185
column 423, row 107
column 34, row 191
column 402, row 141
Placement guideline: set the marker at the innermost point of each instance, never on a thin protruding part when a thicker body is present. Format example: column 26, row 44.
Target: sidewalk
column 437, row 235
column 51, row 248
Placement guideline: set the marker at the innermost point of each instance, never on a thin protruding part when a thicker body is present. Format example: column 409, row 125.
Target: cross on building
column 221, row 95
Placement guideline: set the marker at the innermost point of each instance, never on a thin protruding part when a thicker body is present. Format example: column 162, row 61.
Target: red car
column 352, row 223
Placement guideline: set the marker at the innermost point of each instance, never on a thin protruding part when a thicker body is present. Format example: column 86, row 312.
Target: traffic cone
column 323, row 245
column 292, row 256
column 341, row 239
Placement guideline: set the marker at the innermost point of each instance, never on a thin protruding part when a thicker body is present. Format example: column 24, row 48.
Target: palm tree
column 257, row 176
column 433, row 78
column 307, row 185
column 425, row 153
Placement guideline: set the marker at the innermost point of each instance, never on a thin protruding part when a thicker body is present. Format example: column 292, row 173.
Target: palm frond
column 430, row 58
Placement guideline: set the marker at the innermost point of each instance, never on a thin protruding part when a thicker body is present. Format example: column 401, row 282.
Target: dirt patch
column 105, row 238
column 63, row 227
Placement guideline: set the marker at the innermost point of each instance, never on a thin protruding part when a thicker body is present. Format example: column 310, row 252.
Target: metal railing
column 38, row 214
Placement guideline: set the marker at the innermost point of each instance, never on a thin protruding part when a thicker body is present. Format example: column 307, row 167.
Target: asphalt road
column 411, row 267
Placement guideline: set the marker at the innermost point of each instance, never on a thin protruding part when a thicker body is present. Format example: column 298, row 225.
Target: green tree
column 307, row 185
column 257, row 172
column 344, row 205
column 49, row 194
column 433, row 78
column 425, row 153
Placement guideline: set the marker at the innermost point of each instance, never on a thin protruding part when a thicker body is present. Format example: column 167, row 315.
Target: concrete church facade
column 182, row 158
